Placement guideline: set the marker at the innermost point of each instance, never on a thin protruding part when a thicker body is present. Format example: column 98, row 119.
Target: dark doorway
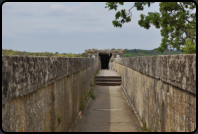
column 105, row 60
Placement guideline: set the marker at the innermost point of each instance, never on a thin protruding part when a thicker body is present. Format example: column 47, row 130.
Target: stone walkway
column 109, row 112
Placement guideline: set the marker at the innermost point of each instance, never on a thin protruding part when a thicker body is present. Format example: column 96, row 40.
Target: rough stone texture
column 177, row 70
column 24, row 74
column 36, row 91
column 163, row 92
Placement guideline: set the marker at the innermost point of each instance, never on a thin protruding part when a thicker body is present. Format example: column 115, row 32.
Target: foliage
column 91, row 85
column 189, row 48
column 96, row 72
column 139, row 52
column 92, row 95
column 59, row 119
column 175, row 19
column 144, row 127
column 82, row 105
column 49, row 54
column 155, row 130
column 148, row 130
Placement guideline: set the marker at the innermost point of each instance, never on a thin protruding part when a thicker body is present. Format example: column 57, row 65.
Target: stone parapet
column 178, row 70
column 24, row 74
column 162, row 89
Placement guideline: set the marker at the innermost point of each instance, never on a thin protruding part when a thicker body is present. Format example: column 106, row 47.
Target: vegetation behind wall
column 139, row 52
column 50, row 54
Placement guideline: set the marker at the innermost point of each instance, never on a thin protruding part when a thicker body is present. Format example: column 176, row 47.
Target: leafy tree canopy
column 176, row 20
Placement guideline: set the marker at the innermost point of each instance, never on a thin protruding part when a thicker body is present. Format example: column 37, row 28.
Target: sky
column 72, row 27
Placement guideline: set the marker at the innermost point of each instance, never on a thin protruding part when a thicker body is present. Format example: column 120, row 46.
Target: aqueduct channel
column 46, row 93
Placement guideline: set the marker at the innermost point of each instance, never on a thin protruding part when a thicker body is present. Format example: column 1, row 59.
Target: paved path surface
column 109, row 112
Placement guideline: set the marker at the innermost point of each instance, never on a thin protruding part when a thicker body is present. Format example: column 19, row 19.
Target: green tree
column 175, row 19
column 84, row 55
column 135, row 51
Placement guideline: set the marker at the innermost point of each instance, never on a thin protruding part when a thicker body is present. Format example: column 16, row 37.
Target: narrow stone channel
column 109, row 112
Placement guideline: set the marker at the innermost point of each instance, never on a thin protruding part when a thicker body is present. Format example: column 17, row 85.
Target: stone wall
column 162, row 89
column 43, row 93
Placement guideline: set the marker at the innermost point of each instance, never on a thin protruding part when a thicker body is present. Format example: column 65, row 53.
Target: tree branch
column 184, row 17
column 182, row 6
column 176, row 22
column 182, row 29
column 189, row 21
column 129, row 11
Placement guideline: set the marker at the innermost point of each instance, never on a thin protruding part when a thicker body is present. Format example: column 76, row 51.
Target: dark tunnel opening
column 105, row 60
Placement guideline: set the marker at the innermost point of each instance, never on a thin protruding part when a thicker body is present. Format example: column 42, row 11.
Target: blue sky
column 67, row 27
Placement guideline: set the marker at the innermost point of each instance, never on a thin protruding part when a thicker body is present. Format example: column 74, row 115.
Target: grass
column 59, row 119
column 51, row 111
column 111, row 60
column 144, row 127
column 91, row 94
column 96, row 72
column 155, row 130
column 86, row 98
column 148, row 130
column 82, row 105
column 68, row 76
column 91, row 85
column 52, row 127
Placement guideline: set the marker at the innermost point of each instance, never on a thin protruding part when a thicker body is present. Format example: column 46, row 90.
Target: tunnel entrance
column 104, row 60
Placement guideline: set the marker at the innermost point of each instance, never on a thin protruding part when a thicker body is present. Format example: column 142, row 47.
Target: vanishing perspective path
column 109, row 112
